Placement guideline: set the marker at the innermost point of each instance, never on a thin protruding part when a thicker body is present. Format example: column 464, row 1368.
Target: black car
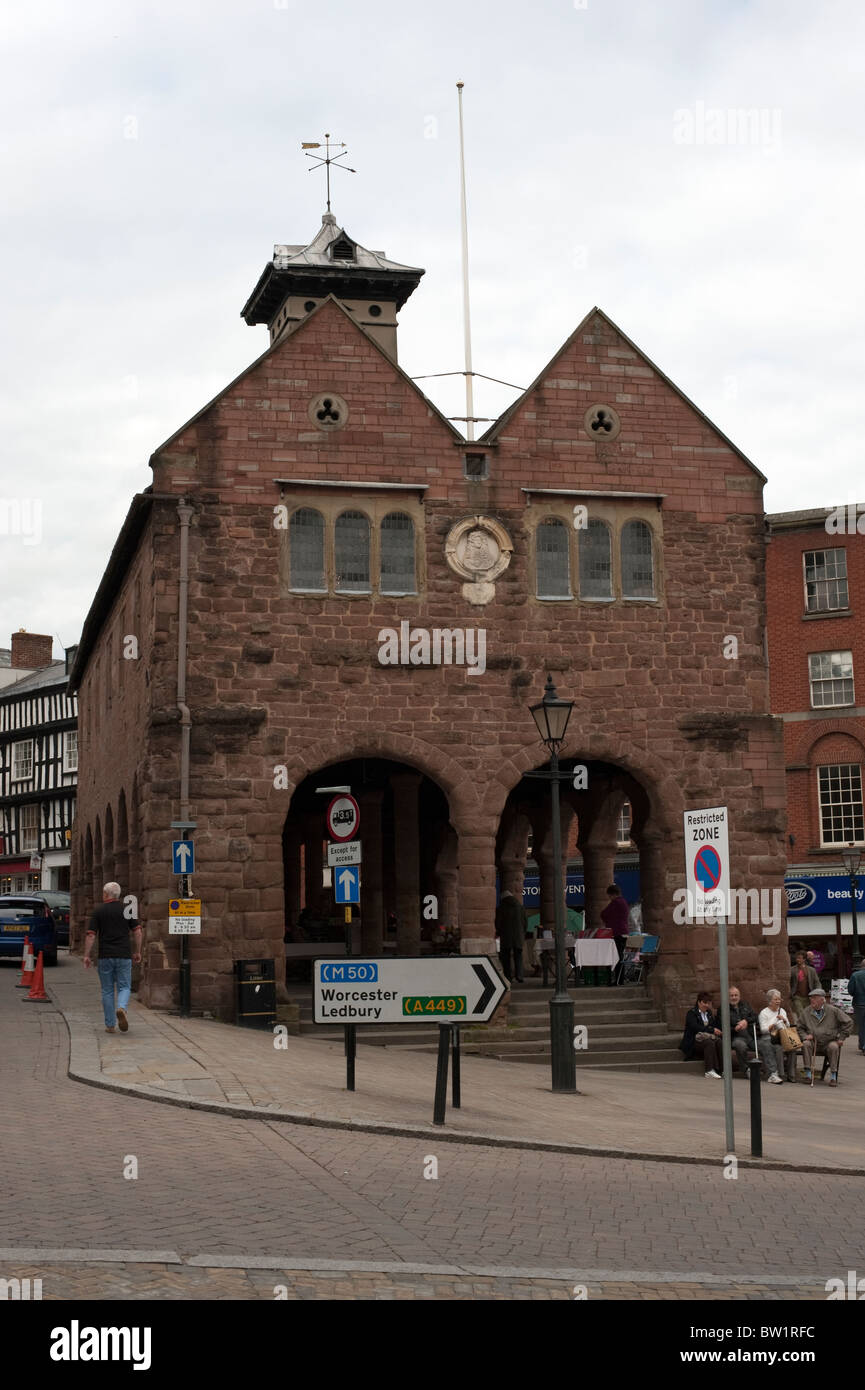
column 59, row 902
column 27, row 915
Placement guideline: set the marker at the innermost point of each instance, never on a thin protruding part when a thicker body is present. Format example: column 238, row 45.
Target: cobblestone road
column 494, row 1223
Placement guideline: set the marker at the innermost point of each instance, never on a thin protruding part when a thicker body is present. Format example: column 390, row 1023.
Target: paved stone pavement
column 642, row 1113
column 225, row 1206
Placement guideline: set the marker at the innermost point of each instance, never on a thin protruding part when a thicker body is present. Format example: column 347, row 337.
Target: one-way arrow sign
column 450, row 989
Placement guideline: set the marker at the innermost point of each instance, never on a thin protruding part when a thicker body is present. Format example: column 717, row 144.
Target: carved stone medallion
column 478, row 549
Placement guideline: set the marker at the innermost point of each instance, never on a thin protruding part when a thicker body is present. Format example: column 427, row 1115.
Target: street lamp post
column 551, row 716
column 852, row 858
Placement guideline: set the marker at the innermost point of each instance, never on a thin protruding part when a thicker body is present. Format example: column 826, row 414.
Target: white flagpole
column 467, row 326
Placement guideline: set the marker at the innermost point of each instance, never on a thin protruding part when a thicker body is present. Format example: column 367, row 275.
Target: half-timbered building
column 38, row 775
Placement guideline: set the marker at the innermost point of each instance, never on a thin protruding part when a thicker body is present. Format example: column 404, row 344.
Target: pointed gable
column 263, row 426
column 649, row 436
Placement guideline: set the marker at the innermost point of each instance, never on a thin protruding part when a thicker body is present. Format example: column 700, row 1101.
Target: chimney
column 31, row 650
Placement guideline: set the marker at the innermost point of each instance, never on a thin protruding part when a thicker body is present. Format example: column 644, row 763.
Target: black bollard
column 455, row 1084
column 441, row 1096
column 756, row 1109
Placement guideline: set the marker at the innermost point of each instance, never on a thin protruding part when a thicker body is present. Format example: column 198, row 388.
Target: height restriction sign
column 707, row 862
column 343, row 818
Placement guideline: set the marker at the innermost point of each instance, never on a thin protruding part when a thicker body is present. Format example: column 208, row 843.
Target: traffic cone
column 37, row 993
column 27, row 965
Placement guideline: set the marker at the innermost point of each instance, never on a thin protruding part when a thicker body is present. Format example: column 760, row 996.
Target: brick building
column 326, row 585
column 815, row 575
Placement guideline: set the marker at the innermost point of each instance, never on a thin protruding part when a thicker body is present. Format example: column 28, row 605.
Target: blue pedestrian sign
column 182, row 857
column 346, row 884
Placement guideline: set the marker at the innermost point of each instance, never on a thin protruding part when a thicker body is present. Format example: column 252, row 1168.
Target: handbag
column 789, row 1039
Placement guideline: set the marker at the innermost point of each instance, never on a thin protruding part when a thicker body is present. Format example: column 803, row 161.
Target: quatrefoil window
column 328, row 411
column 602, row 423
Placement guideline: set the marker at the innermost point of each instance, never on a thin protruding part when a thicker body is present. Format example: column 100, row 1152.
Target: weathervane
column 327, row 159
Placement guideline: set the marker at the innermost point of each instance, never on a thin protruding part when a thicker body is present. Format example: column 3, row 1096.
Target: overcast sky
column 151, row 158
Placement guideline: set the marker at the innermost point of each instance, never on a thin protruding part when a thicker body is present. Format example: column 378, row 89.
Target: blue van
column 27, row 914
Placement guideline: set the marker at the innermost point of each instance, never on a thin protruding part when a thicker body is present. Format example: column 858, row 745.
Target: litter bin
column 255, row 993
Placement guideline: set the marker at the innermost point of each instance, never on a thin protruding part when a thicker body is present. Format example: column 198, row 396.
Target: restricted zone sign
column 707, row 862
column 456, row 989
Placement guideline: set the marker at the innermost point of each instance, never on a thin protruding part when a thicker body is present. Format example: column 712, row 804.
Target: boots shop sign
column 343, row 818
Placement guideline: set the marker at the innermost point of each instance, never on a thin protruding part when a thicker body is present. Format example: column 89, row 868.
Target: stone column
column 476, row 856
column 372, row 881
column 543, row 853
column 599, row 861
column 314, row 860
column 446, row 879
column 405, row 786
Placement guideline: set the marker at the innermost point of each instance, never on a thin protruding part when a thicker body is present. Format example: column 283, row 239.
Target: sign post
column 343, row 819
column 707, row 874
column 182, row 864
column 450, row 990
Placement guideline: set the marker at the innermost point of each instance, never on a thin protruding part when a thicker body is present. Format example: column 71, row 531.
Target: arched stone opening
column 409, row 868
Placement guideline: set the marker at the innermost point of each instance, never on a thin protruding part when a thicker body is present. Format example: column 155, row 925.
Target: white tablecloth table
column 593, row 952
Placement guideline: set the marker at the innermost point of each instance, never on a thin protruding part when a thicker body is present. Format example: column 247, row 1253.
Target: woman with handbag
column 778, row 1041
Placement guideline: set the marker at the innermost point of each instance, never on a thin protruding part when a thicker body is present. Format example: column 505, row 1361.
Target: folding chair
column 630, row 958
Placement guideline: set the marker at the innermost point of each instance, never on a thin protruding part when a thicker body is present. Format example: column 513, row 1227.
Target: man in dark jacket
column 856, row 986
column 511, row 931
column 742, row 1023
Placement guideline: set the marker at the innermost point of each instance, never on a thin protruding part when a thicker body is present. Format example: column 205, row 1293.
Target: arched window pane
column 351, row 552
column 551, row 555
column 638, row 578
column 306, row 550
column 397, row 554
column 596, row 579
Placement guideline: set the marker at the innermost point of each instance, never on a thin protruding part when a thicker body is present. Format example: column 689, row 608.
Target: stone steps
column 625, row 1032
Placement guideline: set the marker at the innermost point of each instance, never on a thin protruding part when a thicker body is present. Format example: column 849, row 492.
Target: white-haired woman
column 775, row 1058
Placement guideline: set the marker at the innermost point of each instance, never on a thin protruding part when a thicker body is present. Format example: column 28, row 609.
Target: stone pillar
column 314, row 832
column 446, row 879
column 372, row 880
column 599, row 861
column 405, row 786
column 477, row 879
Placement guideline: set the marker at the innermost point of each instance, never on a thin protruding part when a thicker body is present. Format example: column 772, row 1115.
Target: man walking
column 856, row 986
column 118, row 944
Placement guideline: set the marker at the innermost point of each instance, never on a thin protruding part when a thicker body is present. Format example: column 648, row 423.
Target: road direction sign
column 345, row 853
column 707, row 862
column 182, row 857
column 452, row 989
column 343, row 818
column 184, row 917
column 346, row 884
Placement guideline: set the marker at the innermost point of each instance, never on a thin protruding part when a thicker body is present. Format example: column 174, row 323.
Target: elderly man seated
column 743, row 1021
column 775, row 1059
column 823, row 1028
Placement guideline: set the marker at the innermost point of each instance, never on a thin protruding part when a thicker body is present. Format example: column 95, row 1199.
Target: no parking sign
column 707, row 862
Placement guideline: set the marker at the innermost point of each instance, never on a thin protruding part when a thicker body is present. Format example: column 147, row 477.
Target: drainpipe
column 184, row 512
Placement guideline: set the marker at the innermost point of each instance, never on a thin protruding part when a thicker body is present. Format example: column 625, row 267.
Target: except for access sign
column 707, row 862
column 347, row 853
column 184, row 917
column 455, row 989
column 343, row 818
